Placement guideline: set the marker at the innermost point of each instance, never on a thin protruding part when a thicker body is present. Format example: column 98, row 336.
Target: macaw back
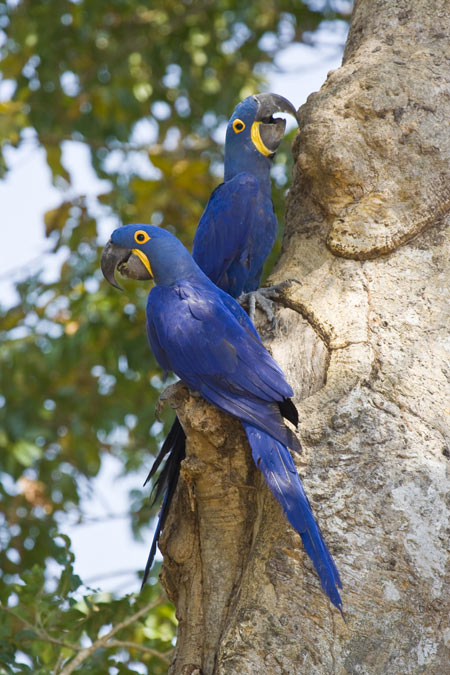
column 236, row 234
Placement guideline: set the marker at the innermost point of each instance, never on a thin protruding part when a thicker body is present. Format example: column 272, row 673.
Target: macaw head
column 145, row 252
column 253, row 134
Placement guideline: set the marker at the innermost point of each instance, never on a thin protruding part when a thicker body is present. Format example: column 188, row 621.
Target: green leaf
column 26, row 453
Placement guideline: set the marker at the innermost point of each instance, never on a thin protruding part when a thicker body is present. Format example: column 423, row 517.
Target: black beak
column 112, row 257
column 272, row 129
column 268, row 104
column 120, row 258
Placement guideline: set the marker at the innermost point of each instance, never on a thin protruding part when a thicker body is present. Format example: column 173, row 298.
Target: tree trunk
column 363, row 340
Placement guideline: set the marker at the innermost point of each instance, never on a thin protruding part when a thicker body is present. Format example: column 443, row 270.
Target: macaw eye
column 141, row 237
column 238, row 126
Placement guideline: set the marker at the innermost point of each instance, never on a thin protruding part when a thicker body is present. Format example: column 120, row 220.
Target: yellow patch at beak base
column 256, row 139
column 144, row 260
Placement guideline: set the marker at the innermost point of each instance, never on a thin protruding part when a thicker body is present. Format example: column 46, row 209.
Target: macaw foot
column 174, row 395
column 265, row 298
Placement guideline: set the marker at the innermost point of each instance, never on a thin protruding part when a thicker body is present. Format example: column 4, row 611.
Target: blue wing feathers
column 194, row 333
column 262, row 415
column 277, row 466
column 210, row 350
column 223, row 231
column 235, row 234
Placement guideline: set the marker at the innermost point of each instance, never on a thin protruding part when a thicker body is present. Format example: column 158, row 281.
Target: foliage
column 60, row 630
column 141, row 85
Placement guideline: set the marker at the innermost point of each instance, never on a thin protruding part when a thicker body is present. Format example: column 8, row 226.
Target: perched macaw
column 238, row 227
column 203, row 335
column 234, row 237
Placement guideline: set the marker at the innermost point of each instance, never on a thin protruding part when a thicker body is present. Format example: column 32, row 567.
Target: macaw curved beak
column 271, row 130
column 123, row 259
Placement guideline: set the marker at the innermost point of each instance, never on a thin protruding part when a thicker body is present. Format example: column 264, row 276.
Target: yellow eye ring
column 141, row 237
column 238, row 126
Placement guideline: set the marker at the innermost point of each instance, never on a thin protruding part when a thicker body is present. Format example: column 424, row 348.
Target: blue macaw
column 203, row 335
column 235, row 235
column 238, row 227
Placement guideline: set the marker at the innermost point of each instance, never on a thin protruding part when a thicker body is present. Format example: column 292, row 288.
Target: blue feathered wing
column 198, row 331
column 192, row 330
column 235, row 235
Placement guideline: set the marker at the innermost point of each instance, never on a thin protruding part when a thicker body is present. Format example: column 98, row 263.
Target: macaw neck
column 249, row 162
column 172, row 263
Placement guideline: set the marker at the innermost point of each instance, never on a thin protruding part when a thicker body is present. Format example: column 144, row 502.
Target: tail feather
column 276, row 464
column 175, row 447
column 174, row 436
column 289, row 411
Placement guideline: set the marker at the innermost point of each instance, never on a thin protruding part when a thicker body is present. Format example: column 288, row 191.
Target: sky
column 106, row 554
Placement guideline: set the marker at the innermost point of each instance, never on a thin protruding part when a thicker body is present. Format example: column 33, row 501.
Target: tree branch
column 42, row 634
column 128, row 644
column 83, row 654
column 105, row 641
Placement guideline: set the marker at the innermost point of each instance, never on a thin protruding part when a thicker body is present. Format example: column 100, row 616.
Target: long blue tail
column 276, row 464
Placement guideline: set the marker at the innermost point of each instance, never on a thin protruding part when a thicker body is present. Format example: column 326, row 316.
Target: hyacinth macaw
column 238, row 228
column 204, row 336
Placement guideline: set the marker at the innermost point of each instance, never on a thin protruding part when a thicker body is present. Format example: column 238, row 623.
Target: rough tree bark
column 363, row 339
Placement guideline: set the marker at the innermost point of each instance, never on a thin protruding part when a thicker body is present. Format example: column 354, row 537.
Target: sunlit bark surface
column 364, row 339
